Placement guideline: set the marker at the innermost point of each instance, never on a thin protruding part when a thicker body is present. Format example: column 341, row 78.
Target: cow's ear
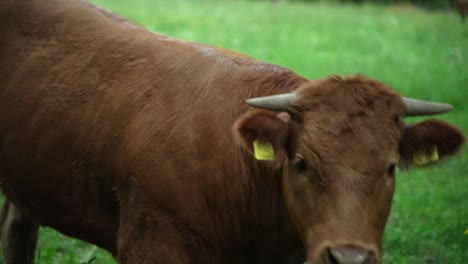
column 428, row 142
column 264, row 134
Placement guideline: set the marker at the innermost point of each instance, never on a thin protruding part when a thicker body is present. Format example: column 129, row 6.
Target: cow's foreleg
column 18, row 235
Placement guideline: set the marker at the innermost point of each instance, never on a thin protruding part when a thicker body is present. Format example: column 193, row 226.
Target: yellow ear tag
column 423, row 159
column 263, row 150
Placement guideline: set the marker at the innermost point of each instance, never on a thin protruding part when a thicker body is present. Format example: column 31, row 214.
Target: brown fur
column 122, row 138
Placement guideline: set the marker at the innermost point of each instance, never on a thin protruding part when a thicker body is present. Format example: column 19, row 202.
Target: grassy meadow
column 422, row 54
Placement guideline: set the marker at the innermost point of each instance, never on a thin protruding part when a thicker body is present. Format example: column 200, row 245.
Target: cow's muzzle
column 344, row 254
column 347, row 254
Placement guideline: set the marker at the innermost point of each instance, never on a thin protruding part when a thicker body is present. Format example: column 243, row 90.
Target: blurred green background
column 422, row 53
column 429, row 4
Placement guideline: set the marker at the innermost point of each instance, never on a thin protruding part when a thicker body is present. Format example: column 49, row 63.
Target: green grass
column 421, row 54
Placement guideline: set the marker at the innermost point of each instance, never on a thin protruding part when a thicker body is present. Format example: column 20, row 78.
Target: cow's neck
column 269, row 220
column 267, row 207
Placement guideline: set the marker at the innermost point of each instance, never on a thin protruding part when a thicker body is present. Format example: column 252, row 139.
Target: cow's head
column 338, row 142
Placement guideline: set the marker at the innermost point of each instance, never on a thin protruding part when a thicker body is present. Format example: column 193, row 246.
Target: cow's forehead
column 346, row 117
column 365, row 147
column 356, row 134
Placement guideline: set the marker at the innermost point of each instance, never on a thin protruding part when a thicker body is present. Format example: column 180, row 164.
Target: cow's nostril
column 347, row 255
column 329, row 258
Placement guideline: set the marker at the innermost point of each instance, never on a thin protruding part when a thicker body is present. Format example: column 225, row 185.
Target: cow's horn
column 277, row 102
column 419, row 107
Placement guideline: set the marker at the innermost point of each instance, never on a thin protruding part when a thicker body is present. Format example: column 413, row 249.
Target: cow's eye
column 300, row 164
column 391, row 170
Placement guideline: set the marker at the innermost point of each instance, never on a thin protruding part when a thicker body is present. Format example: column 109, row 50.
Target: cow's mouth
column 347, row 255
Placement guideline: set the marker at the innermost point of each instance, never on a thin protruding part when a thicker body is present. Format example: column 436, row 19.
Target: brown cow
column 122, row 138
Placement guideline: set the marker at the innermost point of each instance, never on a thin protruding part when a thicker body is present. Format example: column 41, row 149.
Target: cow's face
column 338, row 148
